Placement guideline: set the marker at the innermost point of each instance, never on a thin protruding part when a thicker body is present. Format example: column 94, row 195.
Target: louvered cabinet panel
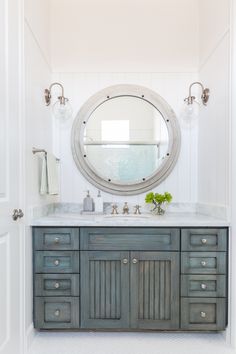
column 104, row 289
column 154, row 290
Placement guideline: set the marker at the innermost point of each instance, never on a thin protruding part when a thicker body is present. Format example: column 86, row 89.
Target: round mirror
column 125, row 139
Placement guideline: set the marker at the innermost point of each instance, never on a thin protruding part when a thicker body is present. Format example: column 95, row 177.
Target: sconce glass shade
column 190, row 110
column 62, row 110
column 190, row 113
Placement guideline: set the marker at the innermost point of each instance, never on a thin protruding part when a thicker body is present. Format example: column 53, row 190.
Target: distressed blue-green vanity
column 130, row 278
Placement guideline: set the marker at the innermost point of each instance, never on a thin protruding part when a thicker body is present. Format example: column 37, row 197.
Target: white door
column 10, row 160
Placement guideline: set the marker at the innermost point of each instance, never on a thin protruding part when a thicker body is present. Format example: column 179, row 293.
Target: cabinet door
column 154, row 290
column 104, row 289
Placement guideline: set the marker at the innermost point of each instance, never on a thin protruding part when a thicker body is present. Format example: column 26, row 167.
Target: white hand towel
column 44, row 178
column 52, row 174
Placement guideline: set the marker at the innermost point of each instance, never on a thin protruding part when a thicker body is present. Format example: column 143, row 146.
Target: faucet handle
column 137, row 209
column 126, row 208
column 114, row 209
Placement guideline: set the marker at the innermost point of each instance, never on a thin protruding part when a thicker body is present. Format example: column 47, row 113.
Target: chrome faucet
column 126, row 208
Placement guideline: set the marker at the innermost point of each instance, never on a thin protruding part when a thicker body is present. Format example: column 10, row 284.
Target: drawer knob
column 203, row 314
column 57, row 285
column 57, row 313
column 125, row 261
column 56, row 240
column 56, row 262
column 203, row 263
column 134, row 261
column 204, row 241
column 203, row 286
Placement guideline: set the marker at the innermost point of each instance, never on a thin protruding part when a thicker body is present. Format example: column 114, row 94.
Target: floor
column 129, row 343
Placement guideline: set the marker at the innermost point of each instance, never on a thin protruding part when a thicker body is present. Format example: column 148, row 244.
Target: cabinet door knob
column 203, row 263
column 134, row 260
column 57, row 313
column 203, row 314
column 125, row 261
column 56, row 262
column 203, row 286
column 56, row 240
column 57, row 285
column 204, row 241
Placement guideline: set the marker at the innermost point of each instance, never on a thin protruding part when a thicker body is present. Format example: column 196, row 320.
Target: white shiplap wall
column 214, row 185
column 214, row 121
column 214, row 129
column 182, row 182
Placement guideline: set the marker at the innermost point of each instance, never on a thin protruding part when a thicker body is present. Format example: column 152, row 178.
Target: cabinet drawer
column 56, row 312
column 56, row 238
column 204, row 239
column 57, row 284
column 203, row 285
column 203, row 262
column 56, row 262
column 144, row 239
column 203, row 314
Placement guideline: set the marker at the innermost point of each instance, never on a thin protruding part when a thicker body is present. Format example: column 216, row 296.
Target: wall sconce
column 191, row 105
column 61, row 108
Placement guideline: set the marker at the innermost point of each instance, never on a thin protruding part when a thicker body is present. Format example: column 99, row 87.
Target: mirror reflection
column 125, row 139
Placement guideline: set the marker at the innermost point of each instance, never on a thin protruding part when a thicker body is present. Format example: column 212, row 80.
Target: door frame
column 18, row 6
column 22, row 167
column 231, row 331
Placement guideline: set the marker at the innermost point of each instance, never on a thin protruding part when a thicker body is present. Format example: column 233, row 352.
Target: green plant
column 158, row 200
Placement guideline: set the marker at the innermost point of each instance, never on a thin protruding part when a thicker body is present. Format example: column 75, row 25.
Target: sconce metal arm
column 205, row 92
column 47, row 94
column 204, row 96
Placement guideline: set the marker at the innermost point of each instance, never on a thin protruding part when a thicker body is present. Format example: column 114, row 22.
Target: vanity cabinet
column 130, row 278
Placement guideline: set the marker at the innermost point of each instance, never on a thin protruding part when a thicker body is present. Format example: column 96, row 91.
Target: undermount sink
column 75, row 216
column 96, row 218
column 127, row 216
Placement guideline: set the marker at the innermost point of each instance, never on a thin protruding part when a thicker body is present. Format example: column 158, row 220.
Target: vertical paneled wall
column 214, row 133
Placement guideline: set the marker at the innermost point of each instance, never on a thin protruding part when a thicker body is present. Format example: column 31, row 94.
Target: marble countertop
column 170, row 219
